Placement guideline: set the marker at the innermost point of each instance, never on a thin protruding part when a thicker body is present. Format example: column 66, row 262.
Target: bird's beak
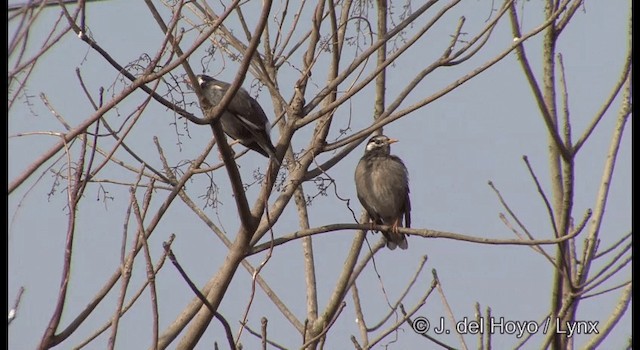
column 392, row 141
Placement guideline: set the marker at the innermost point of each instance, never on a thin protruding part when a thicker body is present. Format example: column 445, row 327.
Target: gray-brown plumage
column 243, row 120
column 382, row 184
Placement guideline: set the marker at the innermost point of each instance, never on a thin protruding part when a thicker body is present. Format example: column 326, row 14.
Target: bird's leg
column 394, row 227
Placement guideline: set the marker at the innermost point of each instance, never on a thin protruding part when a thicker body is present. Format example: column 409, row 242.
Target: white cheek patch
column 371, row 146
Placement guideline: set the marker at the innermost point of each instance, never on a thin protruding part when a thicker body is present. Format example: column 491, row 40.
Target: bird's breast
column 386, row 184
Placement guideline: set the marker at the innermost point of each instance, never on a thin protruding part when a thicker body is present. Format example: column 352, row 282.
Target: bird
column 382, row 186
column 244, row 119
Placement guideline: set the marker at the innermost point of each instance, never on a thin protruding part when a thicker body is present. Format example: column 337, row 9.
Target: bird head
column 380, row 144
column 206, row 81
column 213, row 89
column 203, row 80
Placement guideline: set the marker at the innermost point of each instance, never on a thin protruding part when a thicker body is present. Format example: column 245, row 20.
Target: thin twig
column 133, row 300
column 447, row 307
column 408, row 231
column 362, row 324
column 357, row 270
column 535, row 87
column 284, row 309
column 146, row 77
column 114, row 134
column 517, row 220
column 402, row 296
column 355, row 343
column 424, row 334
column 200, row 296
column 263, row 322
column 479, row 320
column 506, row 222
column 543, row 195
column 613, row 246
column 254, row 277
column 605, row 290
column 618, row 312
column 566, row 123
column 603, row 191
column 14, row 310
column 406, row 316
column 72, row 202
column 624, row 75
column 542, row 325
column 111, row 282
column 594, row 283
column 488, row 322
column 126, row 265
column 325, row 329
column 151, row 277
column 259, row 335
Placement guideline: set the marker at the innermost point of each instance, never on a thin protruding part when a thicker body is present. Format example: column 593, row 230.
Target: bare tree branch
column 618, row 312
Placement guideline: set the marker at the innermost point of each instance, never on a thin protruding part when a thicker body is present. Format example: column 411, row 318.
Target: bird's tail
column 396, row 239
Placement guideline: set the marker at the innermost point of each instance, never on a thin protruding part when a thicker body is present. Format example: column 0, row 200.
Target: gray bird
column 243, row 120
column 382, row 184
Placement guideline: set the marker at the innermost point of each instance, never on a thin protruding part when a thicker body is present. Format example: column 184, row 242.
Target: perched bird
column 382, row 184
column 243, row 120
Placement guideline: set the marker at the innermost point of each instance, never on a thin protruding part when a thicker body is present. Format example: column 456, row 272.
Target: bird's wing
column 250, row 113
column 363, row 190
column 406, row 205
column 407, row 200
column 249, row 110
column 407, row 210
column 251, row 116
column 251, row 124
